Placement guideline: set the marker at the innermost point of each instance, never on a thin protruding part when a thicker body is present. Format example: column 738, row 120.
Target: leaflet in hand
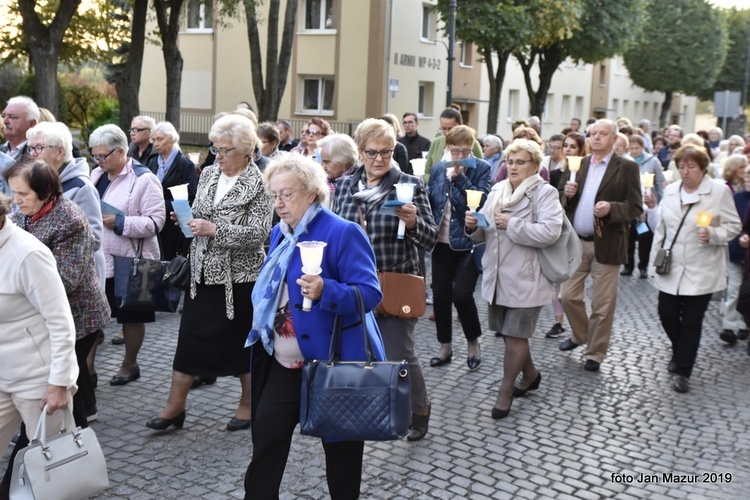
column 390, row 206
column 108, row 209
column 184, row 215
column 481, row 219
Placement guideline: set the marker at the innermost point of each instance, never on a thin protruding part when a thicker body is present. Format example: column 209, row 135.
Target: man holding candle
column 601, row 201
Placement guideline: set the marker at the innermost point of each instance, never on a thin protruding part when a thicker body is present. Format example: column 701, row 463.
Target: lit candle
column 405, row 193
column 473, row 199
column 574, row 163
column 647, row 181
column 704, row 219
column 311, row 253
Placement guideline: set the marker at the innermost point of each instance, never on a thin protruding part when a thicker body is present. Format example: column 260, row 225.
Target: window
column 317, row 94
column 626, row 108
column 602, row 75
column 425, row 98
column 319, row 14
column 636, row 110
column 467, row 48
column 512, row 105
column 578, row 112
column 565, row 109
column 616, row 106
column 426, row 22
column 549, row 105
column 199, row 15
column 657, row 112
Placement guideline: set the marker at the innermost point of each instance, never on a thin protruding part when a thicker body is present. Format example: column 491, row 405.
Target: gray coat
column 512, row 276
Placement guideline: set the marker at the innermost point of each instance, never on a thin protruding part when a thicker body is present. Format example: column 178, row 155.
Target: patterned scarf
column 268, row 287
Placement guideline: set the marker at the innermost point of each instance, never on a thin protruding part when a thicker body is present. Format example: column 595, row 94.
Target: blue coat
column 440, row 189
column 348, row 259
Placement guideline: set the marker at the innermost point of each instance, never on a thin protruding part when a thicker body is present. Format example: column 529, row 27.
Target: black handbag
column 355, row 400
column 177, row 273
column 139, row 283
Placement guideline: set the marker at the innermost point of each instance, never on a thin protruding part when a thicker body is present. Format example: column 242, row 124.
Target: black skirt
column 209, row 343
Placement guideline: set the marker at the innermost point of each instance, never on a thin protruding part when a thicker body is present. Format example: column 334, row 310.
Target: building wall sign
column 414, row 61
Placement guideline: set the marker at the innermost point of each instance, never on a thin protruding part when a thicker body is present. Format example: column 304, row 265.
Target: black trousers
column 644, row 241
column 682, row 319
column 274, row 420
column 454, row 278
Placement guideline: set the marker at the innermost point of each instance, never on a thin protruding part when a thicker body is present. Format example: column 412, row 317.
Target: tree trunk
column 127, row 75
column 665, row 107
column 497, row 77
column 548, row 60
column 44, row 44
column 169, row 28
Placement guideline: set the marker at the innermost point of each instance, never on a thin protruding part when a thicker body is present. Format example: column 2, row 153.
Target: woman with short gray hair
column 338, row 154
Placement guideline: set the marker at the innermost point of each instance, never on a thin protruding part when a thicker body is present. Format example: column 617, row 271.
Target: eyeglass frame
column 373, row 154
column 216, row 151
column 520, row 163
column 139, row 130
column 102, row 159
column 464, row 153
column 282, row 197
column 36, row 149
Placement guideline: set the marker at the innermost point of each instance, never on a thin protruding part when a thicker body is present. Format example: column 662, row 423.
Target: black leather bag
column 663, row 260
column 177, row 273
column 355, row 400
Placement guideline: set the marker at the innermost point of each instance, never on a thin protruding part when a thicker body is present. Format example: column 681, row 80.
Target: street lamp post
column 451, row 44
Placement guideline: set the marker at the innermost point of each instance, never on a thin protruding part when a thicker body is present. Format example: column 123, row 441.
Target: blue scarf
column 267, row 290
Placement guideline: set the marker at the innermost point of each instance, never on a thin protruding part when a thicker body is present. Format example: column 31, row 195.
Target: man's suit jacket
column 621, row 187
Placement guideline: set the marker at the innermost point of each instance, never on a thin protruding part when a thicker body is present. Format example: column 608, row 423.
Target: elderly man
column 648, row 143
column 20, row 114
column 140, row 138
column 415, row 143
column 601, row 203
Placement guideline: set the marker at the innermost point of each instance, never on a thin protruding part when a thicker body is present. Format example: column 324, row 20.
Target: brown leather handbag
column 404, row 295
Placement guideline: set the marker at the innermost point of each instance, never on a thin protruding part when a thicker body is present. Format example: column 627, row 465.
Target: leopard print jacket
column 243, row 220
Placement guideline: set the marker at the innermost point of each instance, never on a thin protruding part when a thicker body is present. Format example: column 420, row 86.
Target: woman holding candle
column 231, row 220
column 359, row 197
column 285, row 335
column 695, row 220
column 454, row 271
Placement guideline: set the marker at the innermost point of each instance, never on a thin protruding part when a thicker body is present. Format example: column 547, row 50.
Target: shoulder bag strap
column 335, row 347
column 678, row 228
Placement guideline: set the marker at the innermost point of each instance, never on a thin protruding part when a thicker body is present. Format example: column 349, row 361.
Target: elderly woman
column 141, row 148
column 513, row 282
column 493, row 152
column 338, row 154
column 284, row 336
column 34, row 312
column 359, row 197
column 62, row 226
column 698, row 266
column 715, row 135
column 734, row 172
column 231, row 220
column 173, row 169
column 134, row 211
column 268, row 135
column 454, row 270
column 316, row 129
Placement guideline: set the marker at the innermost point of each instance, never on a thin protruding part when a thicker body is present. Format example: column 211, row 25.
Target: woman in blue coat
column 284, row 336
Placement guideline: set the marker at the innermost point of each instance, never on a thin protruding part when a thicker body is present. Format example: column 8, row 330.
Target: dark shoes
column 497, row 413
column 126, row 379
column 118, row 339
column 419, row 425
column 473, row 362
column 554, row 332
column 237, row 424
column 519, row 393
column 644, row 274
column 626, row 272
column 199, row 381
column 728, row 336
column 568, row 345
column 672, row 366
column 743, row 334
column 161, row 424
column 591, row 366
column 436, row 361
column 681, row 384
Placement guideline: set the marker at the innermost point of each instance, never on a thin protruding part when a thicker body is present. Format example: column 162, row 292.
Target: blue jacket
column 440, row 190
column 348, row 259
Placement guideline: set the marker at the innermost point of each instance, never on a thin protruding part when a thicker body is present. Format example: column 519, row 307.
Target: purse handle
column 678, row 228
column 40, row 435
column 138, row 248
column 333, row 353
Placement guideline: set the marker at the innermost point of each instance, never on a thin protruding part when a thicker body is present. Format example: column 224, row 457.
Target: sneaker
column 92, row 415
column 555, row 331
column 429, row 300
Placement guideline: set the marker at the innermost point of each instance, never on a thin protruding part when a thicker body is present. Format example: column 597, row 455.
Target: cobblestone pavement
column 581, row 435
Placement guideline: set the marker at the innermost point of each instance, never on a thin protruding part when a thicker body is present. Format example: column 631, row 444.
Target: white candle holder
column 404, row 193
column 311, row 253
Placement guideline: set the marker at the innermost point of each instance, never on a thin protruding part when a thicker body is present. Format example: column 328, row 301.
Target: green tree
column 694, row 37
column 732, row 74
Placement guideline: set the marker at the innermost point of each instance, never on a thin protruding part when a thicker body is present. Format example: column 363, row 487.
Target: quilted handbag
column 69, row 465
column 403, row 295
column 355, row 400
column 177, row 273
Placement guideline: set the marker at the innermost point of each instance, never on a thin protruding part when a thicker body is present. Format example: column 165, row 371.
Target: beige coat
column 512, row 276
column 696, row 269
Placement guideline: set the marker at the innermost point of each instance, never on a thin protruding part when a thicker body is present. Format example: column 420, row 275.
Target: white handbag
column 67, row 466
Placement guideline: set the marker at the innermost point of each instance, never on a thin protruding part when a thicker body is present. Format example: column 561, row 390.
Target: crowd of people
column 482, row 210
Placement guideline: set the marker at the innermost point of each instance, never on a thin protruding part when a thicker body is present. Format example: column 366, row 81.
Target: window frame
column 320, row 110
column 425, row 99
column 201, row 29
column 427, row 22
column 321, row 17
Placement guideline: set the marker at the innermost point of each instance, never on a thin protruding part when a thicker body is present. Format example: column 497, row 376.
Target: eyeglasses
column 304, row 132
column 102, row 159
column 283, row 197
column 133, row 129
column 460, row 152
column 220, row 151
column 314, row 132
column 520, row 163
column 39, row 149
column 384, row 154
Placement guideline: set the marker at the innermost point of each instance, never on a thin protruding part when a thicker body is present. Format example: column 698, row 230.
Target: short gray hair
column 341, row 147
column 238, row 129
column 493, row 141
column 109, row 136
column 610, row 123
column 54, row 134
column 167, row 129
column 6, row 203
column 150, row 122
column 531, row 147
column 310, row 175
column 32, row 110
